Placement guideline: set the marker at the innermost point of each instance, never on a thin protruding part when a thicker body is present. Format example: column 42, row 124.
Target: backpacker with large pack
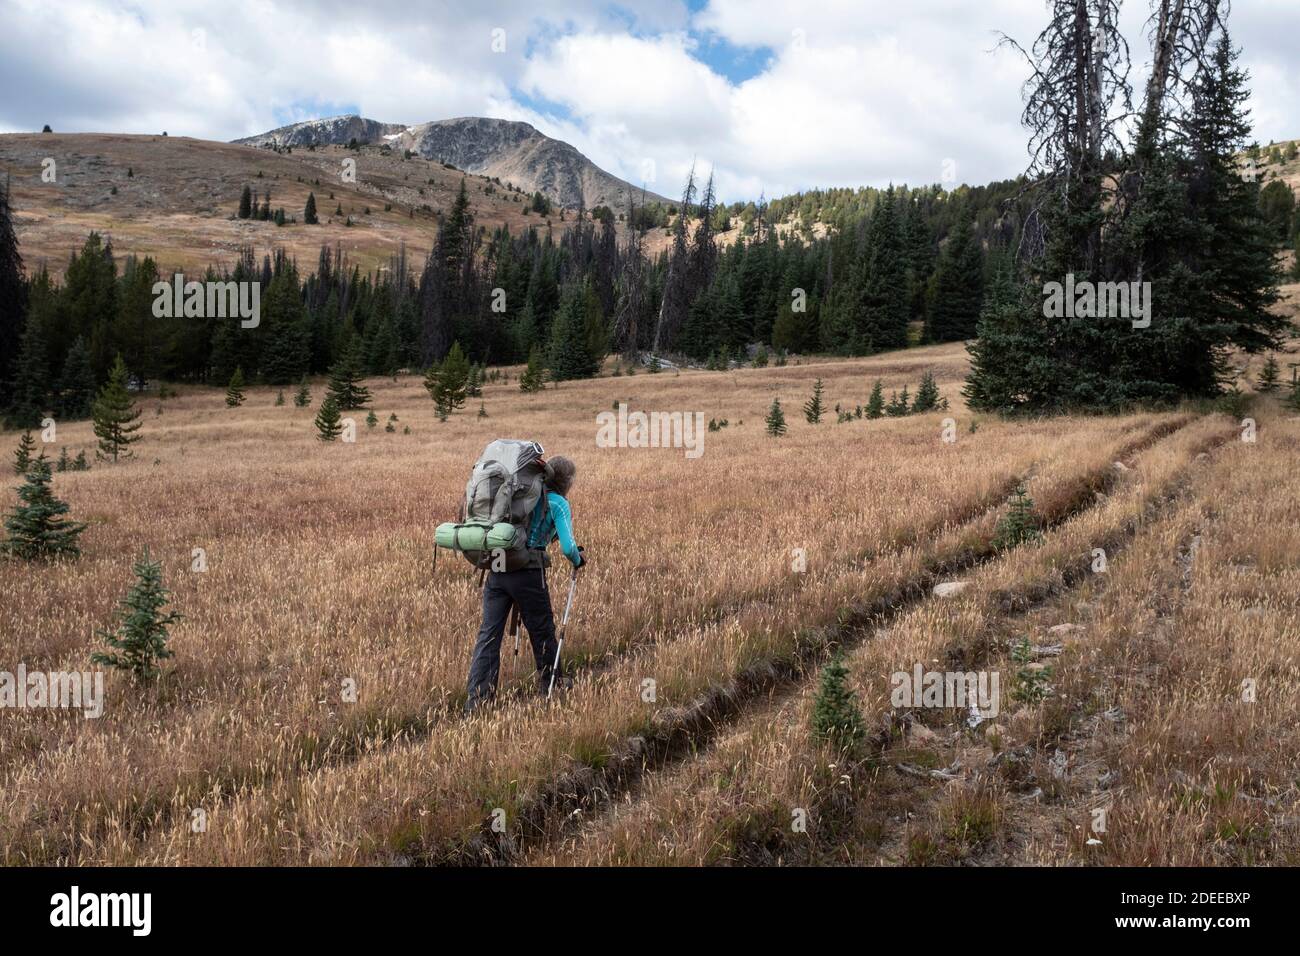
column 506, row 485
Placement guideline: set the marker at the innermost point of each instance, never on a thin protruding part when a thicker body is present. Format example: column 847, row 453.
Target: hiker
column 526, row 589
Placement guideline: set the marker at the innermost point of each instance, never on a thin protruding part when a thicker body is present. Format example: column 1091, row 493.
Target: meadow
column 717, row 589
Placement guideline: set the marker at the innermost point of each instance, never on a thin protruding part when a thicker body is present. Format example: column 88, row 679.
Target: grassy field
column 320, row 577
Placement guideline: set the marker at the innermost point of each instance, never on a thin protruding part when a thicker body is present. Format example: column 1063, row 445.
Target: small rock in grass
column 949, row 588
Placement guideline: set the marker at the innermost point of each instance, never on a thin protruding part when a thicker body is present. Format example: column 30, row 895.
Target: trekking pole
column 564, row 622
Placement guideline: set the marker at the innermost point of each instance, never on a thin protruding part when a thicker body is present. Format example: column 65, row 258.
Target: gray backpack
column 505, row 487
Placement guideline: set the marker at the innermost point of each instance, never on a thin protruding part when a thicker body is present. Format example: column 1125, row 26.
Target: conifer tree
column 571, row 354
column 345, row 380
column 533, row 378
column 775, row 419
column 14, row 295
column 235, row 390
column 1020, row 524
column 814, row 407
column 246, row 203
column 302, row 398
column 927, row 395
column 836, row 719
column 1269, row 375
column 115, row 415
column 31, row 380
column 279, row 398
column 876, row 403
column 898, row 404
column 139, row 641
column 36, row 529
column 371, row 419
column 23, row 453
column 309, row 211
column 327, row 419
column 958, row 288
column 64, row 462
column 76, row 391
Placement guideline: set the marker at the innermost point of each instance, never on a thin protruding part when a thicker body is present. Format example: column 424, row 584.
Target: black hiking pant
column 527, row 590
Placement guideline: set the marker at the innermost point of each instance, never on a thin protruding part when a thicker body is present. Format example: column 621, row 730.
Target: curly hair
column 563, row 471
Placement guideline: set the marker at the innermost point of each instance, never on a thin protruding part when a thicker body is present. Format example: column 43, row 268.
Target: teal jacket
column 551, row 522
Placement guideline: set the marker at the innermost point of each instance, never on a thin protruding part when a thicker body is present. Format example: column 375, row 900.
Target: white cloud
column 853, row 91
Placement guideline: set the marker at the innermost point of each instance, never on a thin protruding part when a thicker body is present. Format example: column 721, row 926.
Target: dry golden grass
column 320, row 572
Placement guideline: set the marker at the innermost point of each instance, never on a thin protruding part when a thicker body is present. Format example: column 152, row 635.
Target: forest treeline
column 839, row 271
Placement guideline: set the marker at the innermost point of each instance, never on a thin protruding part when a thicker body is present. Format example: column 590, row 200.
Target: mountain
column 512, row 151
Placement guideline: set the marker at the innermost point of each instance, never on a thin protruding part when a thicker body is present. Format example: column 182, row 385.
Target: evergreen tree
column 246, row 203
column 139, row 641
column 23, row 453
column 775, row 419
column 447, row 382
column 327, row 419
column 899, row 405
column 309, row 211
column 36, row 528
column 279, row 398
column 814, row 407
column 235, row 390
column 1020, row 524
column 836, row 719
column 876, row 403
column 13, row 298
column 958, row 288
column 533, row 378
column 115, row 415
column 76, row 391
column 345, row 381
column 571, row 354
column 1268, row 376
column 64, row 462
column 371, row 419
column 302, row 398
column 31, row 381
column 927, row 395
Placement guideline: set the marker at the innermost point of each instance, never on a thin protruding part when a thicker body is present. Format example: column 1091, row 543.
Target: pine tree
column 958, row 288
column 775, row 419
column 876, row 404
column 139, row 641
column 23, row 453
column 898, row 404
column 345, row 380
column 31, row 387
column 309, row 211
column 14, row 295
column 235, row 390
column 1269, row 375
column 571, row 354
column 246, row 203
column 302, row 398
column 836, row 719
column 36, row 528
column 927, row 395
column 76, row 390
column 533, row 378
column 482, row 410
column 1020, row 524
column 371, row 419
column 327, row 419
column 814, row 408
column 115, row 415
column 64, row 462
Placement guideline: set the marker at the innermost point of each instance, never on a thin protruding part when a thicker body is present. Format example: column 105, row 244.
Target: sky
column 773, row 97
